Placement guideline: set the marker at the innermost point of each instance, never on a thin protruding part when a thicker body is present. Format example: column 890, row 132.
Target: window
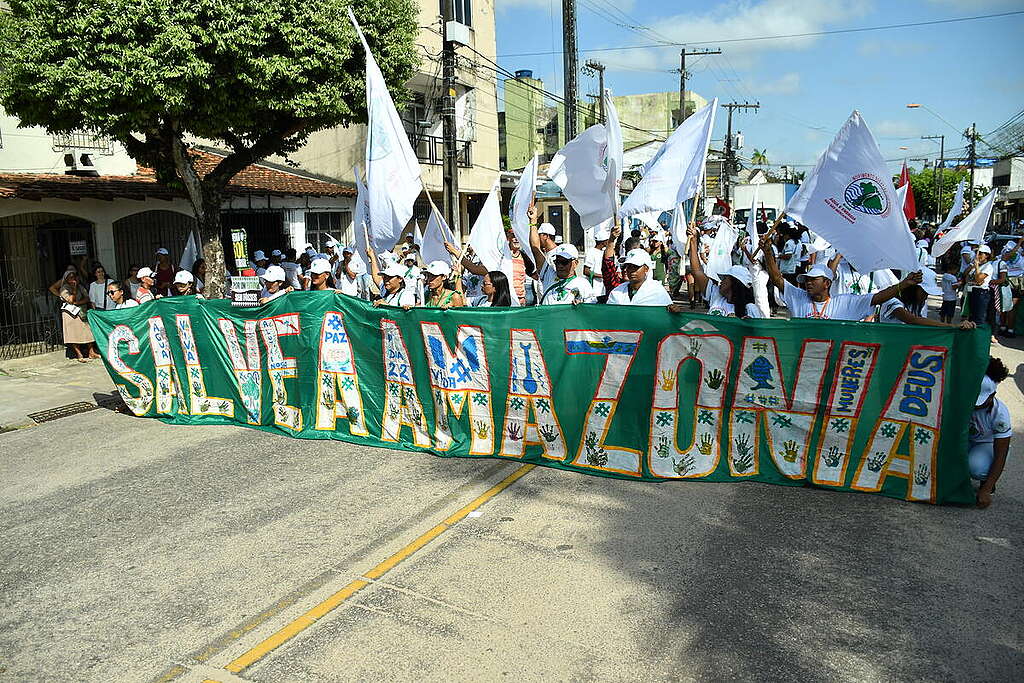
column 461, row 11
column 63, row 142
column 320, row 224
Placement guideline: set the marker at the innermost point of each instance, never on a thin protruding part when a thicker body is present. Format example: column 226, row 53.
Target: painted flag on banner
column 849, row 199
column 392, row 170
column 970, row 228
column 522, row 198
column 191, row 252
column 909, row 209
column 488, row 234
column 435, row 235
column 677, row 170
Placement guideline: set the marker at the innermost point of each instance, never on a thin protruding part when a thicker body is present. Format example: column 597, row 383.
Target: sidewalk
column 37, row 383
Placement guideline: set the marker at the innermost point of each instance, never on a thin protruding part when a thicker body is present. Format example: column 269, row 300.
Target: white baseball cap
column 276, row 252
column 394, row 270
column 816, row 270
column 984, row 249
column 922, row 244
column 566, row 251
column 742, row 274
column 602, row 232
column 546, row 229
column 348, row 249
column 183, row 277
column 163, row 251
column 438, row 268
column 639, row 257
column 274, row 274
column 145, row 271
column 320, row 265
column 258, row 255
column 988, row 387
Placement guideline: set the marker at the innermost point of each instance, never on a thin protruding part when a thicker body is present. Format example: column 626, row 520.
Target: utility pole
column 590, row 68
column 971, row 135
column 939, row 166
column 450, row 172
column 569, row 66
column 730, row 158
column 683, row 54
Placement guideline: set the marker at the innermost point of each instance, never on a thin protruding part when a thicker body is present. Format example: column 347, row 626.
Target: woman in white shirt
column 989, row 434
column 98, row 296
column 979, row 275
column 732, row 295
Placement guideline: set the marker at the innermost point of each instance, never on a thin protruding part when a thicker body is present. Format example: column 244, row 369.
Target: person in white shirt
column 1014, row 285
column 320, row 275
column 98, row 288
column 729, row 294
column 393, row 288
column 292, row 270
column 273, row 287
column 989, row 434
column 495, row 291
column 950, row 285
column 145, row 291
column 542, row 244
column 910, row 306
column 116, row 294
column 815, row 301
column 592, row 261
column 966, row 257
column 640, row 288
column 789, row 258
column 979, row 275
column 566, row 287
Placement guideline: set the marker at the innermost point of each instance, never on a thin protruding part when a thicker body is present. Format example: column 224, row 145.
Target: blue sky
column 963, row 72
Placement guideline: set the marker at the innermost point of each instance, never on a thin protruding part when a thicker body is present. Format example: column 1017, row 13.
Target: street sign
column 240, row 246
column 78, row 247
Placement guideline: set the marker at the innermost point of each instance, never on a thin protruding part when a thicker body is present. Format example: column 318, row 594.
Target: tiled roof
column 253, row 180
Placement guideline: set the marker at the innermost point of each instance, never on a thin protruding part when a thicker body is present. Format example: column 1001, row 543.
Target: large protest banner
column 636, row 393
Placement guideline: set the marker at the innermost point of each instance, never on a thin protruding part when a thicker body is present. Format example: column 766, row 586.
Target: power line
column 808, row 34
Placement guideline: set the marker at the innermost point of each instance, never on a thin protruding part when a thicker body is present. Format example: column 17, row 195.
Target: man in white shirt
column 815, row 300
column 592, row 262
column 979, row 275
column 639, row 289
column 546, row 244
column 566, row 287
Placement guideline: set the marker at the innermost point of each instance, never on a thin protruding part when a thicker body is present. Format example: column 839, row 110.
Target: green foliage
column 924, row 185
column 759, row 157
column 231, row 70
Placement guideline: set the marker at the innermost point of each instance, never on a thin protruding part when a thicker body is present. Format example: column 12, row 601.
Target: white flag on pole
column 522, row 198
column 720, row 259
column 392, row 170
column 191, row 253
column 752, row 220
column 676, row 171
column 488, row 234
column 956, row 209
column 849, row 199
column 435, row 235
column 970, row 228
column 361, row 209
column 613, row 152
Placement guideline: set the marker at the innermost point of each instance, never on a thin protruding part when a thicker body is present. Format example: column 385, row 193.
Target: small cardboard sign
column 245, row 291
column 78, row 248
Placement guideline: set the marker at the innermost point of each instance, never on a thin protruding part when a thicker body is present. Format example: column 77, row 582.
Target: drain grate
column 62, row 411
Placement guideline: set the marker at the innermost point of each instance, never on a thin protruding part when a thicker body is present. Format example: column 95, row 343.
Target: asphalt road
column 136, row 551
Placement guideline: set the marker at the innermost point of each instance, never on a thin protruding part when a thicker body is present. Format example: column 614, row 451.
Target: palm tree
column 760, row 157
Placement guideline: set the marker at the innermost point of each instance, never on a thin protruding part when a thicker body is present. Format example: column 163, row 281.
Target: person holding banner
column 319, row 275
column 273, row 284
column 184, row 284
column 988, row 437
column 733, row 295
column 815, row 300
column 640, row 288
column 566, row 287
column 438, row 295
column 391, row 282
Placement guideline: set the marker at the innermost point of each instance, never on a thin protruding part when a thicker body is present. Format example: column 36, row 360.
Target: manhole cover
column 62, row 411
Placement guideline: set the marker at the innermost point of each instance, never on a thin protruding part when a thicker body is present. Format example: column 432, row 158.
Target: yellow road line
column 303, row 622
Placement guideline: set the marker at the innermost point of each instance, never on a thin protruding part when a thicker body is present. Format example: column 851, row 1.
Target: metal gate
column 34, row 250
column 138, row 236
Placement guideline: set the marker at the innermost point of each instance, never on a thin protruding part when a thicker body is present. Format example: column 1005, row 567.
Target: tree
column 259, row 77
column 924, row 185
column 759, row 157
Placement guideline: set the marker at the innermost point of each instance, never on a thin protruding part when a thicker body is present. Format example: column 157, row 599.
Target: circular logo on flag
column 867, row 194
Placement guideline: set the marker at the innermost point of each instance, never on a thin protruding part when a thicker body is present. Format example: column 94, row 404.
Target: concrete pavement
column 133, row 550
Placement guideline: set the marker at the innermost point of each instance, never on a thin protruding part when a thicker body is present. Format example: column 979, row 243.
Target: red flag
column 909, row 210
column 764, row 214
column 724, row 205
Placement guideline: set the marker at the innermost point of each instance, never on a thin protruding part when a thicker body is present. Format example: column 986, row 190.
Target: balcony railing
column 430, row 150
column 63, row 142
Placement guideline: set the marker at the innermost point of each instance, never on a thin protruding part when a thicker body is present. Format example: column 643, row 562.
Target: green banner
column 635, row 393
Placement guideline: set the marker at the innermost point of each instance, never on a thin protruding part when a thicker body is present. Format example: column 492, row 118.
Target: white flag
column 522, row 198
column 613, row 151
column 435, row 235
column 488, row 234
column 752, row 220
column 392, row 171
column 578, row 168
column 971, row 228
column 849, row 199
column 359, row 219
column 191, row 253
column 417, row 236
column 956, row 209
column 676, row 171
column 720, row 259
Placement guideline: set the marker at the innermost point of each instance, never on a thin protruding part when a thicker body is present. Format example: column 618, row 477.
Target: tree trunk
column 213, row 248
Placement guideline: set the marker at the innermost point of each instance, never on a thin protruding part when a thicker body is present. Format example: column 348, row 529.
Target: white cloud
column 624, row 5
column 787, row 84
column 896, row 48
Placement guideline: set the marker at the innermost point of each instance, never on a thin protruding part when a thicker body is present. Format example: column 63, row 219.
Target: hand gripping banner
column 628, row 392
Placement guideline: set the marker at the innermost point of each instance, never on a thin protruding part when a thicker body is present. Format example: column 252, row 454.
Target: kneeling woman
column 438, row 295
column 732, row 296
column 988, row 438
